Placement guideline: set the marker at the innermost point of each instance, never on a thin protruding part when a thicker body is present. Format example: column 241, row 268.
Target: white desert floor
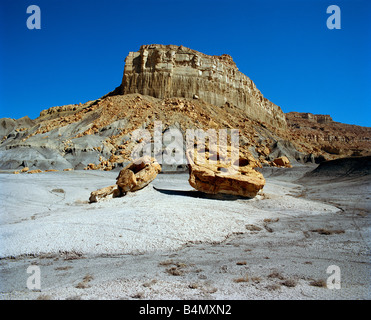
column 170, row 242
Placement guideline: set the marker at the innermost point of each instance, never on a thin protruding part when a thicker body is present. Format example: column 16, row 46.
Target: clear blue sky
column 283, row 46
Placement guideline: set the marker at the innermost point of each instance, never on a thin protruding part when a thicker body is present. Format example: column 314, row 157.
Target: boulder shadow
column 199, row 194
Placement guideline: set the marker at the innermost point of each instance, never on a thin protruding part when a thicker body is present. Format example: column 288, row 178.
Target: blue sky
column 283, row 46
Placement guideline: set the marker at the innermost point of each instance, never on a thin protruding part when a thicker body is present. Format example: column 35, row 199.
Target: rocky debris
column 332, row 149
column 282, row 162
column 209, row 174
column 164, row 71
column 103, row 164
column 135, row 176
column 59, row 109
column 27, row 170
column 34, row 171
column 105, row 193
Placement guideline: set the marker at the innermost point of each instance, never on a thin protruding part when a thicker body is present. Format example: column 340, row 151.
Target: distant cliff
column 321, row 134
column 319, row 118
column 165, row 71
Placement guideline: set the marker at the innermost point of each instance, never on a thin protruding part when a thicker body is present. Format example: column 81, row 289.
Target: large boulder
column 215, row 176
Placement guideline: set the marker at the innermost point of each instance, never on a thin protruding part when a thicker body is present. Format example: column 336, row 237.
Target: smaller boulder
column 138, row 174
column 105, row 193
column 34, row 171
column 133, row 177
column 282, row 162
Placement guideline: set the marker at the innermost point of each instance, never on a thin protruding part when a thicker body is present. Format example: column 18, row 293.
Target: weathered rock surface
column 165, row 71
column 282, row 162
column 105, row 193
column 138, row 174
column 34, row 171
column 319, row 134
column 7, row 125
column 215, row 176
column 133, row 177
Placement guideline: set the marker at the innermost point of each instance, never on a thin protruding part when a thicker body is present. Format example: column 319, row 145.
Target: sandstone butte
column 183, row 89
column 164, row 71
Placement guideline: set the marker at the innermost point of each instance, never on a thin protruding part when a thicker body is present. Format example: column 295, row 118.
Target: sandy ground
column 170, row 242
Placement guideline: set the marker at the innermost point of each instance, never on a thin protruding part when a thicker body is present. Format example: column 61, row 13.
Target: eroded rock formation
column 133, row 177
column 138, row 174
column 105, row 193
column 164, row 71
column 322, row 135
column 182, row 89
column 282, row 162
column 210, row 174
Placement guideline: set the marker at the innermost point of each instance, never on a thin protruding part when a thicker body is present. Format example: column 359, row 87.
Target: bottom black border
column 186, row 309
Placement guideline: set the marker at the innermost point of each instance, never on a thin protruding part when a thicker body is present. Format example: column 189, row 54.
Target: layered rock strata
column 320, row 134
column 164, row 71
column 98, row 134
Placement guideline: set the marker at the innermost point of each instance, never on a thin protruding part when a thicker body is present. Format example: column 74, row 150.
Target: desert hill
column 183, row 89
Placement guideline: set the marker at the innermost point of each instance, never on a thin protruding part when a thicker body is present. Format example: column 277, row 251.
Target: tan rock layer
column 164, row 71
column 319, row 134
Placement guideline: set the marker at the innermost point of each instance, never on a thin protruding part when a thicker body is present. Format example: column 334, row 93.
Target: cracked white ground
column 166, row 242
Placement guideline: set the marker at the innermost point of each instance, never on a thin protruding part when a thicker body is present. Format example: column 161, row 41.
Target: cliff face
column 175, row 71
